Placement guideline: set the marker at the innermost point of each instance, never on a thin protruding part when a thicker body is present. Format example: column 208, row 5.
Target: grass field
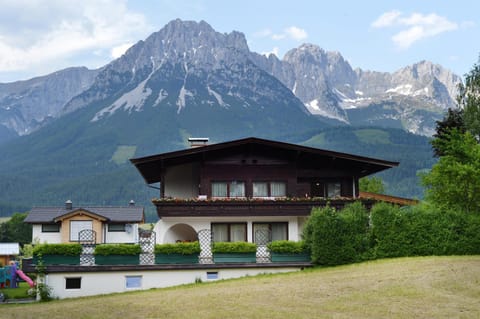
column 15, row 293
column 427, row 287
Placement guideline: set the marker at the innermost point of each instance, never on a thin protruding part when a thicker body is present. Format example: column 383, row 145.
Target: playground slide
column 27, row 279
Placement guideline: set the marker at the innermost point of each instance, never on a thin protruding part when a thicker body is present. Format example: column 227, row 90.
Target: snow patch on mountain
column 181, row 103
column 162, row 95
column 130, row 101
column 404, row 89
column 218, row 97
column 315, row 108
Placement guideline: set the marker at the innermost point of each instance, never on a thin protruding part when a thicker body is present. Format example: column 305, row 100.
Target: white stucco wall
column 51, row 238
column 182, row 181
column 122, row 237
column 199, row 223
column 97, row 283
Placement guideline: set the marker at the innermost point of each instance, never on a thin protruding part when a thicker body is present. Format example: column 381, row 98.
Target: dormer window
column 228, row 189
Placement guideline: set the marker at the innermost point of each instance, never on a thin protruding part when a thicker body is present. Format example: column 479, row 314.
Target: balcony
column 173, row 207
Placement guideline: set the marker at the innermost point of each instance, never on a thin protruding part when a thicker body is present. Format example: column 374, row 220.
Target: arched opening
column 179, row 233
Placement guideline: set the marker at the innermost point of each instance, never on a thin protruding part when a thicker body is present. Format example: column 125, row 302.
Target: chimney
column 131, row 203
column 198, row 141
column 68, row 204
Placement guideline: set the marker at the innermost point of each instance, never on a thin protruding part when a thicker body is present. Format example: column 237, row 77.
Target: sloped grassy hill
column 422, row 287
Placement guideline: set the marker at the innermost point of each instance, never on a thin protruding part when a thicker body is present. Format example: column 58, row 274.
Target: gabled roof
column 121, row 214
column 150, row 166
column 80, row 211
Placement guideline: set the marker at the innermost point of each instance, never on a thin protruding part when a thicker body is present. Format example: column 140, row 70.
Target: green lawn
column 426, row 287
column 16, row 293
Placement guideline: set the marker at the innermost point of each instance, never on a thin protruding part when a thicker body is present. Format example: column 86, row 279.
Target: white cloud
column 119, row 50
column 36, row 34
column 292, row 32
column 415, row 27
column 386, row 19
column 274, row 51
column 296, row 33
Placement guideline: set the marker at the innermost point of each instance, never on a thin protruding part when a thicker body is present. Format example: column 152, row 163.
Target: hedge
column 234, row 247
column 117, row 249
column 288, row 247
column 178, row 248
column 336, row 238
column 57, row 249
column 353, row 234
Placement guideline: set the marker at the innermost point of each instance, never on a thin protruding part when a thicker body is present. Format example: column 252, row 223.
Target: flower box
column 117, row 254
column 289, row 257
column 234, row 258
column 117, row 259
column 176, row 259
column 57, row 260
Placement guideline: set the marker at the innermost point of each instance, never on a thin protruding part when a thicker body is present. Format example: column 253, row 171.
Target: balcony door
column 317, row 189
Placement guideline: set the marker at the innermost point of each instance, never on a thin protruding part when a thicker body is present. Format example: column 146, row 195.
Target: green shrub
column 234, row 247
column 57, row 249
column 335, row 238
column 117, row 249
column 288, row 247
column 178, row 248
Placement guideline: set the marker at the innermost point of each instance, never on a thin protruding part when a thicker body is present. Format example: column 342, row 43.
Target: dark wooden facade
column 306, row 173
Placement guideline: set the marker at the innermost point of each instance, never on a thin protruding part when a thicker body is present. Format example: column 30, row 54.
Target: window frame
column 72, row 281
column 229, row 229
column 327, row 186
column 133, row 281
column 50, row 231
column 116, row 230
column 269, row 188
column 270, row 224
column 228, row 184
column 74, row 221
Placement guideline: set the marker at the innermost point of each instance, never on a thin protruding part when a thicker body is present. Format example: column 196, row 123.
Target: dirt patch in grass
column 430, row 287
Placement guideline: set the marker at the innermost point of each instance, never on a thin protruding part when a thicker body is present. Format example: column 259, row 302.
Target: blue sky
column 38, row 37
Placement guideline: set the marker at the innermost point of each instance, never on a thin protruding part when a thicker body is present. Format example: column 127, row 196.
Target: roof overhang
column 80, row 212
column 151, row 167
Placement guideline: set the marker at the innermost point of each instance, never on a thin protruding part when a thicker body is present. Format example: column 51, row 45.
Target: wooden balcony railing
column 170, row 207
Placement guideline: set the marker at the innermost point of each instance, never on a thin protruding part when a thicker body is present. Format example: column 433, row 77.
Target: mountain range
column 70, row 133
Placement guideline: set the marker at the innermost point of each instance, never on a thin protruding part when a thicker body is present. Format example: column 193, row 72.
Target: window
column 133, row 282
column 334, row 190
column 76, row 226
column 228, row 189
column 266, row 232
column 260, row 189
column 229, row 232
column 212, row 275
column 50, row 228
column 116, row 227
column 73, row 283
column 269, row 189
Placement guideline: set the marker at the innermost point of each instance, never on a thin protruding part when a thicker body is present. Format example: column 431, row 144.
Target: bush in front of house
column 234, row 247
column 346, row 236
column 423, row 231
column 57, row 249
column 117, row 249
column 336, row 238
column 287, row 247
column 187, row 248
